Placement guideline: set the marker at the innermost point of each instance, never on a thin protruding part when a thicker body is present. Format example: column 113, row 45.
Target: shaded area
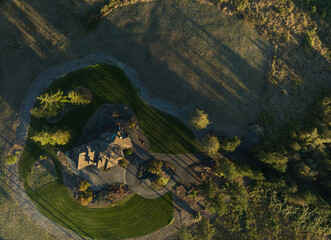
column 185, row 52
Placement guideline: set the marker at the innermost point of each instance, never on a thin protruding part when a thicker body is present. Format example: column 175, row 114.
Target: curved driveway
column 181, row 163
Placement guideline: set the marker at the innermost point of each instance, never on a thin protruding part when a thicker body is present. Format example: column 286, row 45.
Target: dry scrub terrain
column 184, row 51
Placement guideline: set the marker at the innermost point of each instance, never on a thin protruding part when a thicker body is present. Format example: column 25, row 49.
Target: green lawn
column 165, row 133
column 135, row 218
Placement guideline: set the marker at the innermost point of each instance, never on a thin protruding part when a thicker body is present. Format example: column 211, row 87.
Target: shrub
column 210, row 144
column 127, row 152
column 155, row 167
column 160, row 181
column 310, row 37
column 83, row 186
column 123, row 163
column 116, row 192
column 240, row 4
column 85, row 197
column 132, row 123
column 199, row 119
column 275, row 159
column 193, row 194
column 10, row 160
column 197, row 216
column 208, row 188
column 78, row 98
column 227, row 169
column 230, row 145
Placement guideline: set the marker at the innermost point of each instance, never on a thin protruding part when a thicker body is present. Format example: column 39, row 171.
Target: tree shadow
column 3, row 193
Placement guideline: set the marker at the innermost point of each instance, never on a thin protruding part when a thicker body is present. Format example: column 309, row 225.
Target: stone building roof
column 104, row 152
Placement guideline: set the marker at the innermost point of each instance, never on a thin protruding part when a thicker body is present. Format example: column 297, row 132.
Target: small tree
column 210, row 144
column 50, row 105
column 78, row 98
column 161, row 181
column 230, row 145
column 199, row 119
column 276, row 160
column 155, row 167
column 58, row 137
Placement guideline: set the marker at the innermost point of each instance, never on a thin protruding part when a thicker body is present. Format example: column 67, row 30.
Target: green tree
column 155, row 167
column 230, row 145
column 78, row 98
column 57, row 137
column 208, row 189
column 49, row 105
column 199, row 119
column 227, row 169
column 276, row 160
column 185, row 233
column 205, row 230
column 210, row 144
column 60, row 137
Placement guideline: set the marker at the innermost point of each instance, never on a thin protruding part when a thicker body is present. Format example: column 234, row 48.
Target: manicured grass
column 137, row 217
column 165, row 133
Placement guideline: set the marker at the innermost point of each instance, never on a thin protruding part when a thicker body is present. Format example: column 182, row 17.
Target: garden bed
column 155, row 174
